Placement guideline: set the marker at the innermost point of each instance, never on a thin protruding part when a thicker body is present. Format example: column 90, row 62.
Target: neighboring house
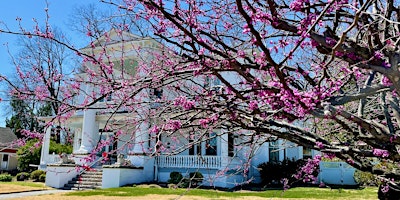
column 8, row 152
column 221, row 164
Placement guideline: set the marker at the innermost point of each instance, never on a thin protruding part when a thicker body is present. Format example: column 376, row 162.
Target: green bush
column 368, row 179
column 35, row 175
column 175, row 177
column 273, row 172
column 195, row 178
column 22, row 176
column 42, row 178
column 5, row 178
column 60, row 148
column 30, row 153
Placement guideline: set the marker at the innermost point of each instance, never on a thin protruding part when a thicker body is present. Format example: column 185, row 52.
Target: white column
column 301, row 156
column 223, row 145
column 45, row 146
column 141, row 139
column 282, row 151
column 88, row 131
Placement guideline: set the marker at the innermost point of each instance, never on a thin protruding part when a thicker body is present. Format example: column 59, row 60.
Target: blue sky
column 59, row 10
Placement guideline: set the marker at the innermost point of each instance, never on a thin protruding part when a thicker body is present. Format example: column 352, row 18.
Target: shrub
column 30, row 153
column 5, row 178
column 196, row 178
column 42, row 178
column 272, row 172
column 365, row 178
column 22, row 176
column 36, row 174
column 60, row 148
column 175, row 177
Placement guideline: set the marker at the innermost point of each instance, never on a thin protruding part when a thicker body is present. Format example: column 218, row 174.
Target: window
column 106, row 99
column 194, row 148
column 211, row 145
column 274, row 151
column 231, row 145
column 5, row 157
column 307, row 153
column 157, row 92
column 211, row 82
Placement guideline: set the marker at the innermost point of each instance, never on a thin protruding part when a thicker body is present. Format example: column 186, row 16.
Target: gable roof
column 6, row 136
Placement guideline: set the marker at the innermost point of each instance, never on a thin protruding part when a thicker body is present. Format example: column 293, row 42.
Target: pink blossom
column 386, row 81
column 319, row 145
column 297, row 5
column 378, row 55
column 184, row 102
column 204, row 122
column 380, row 153
column 253, row 105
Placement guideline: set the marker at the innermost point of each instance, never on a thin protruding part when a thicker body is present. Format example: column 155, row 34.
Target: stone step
column 76, row 188
column 85, row 182
column 87, row 179
column 82, row 188
column 94, row 172
column 91, row 175
column 82, row 185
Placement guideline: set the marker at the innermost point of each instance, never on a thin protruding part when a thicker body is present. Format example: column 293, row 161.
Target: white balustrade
column 53, row 158
column 188, row 161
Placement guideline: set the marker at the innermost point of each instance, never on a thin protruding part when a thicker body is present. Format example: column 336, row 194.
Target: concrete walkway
column 33, row 193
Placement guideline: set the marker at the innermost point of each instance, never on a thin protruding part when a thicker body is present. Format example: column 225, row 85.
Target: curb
column 4, row 193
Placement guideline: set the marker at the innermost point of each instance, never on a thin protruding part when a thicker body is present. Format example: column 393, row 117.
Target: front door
column 109, row 143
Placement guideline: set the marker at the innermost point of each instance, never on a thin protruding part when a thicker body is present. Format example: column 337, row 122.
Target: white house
column 218, row 160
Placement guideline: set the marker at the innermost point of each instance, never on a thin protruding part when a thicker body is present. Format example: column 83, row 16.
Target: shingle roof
column 6, row 135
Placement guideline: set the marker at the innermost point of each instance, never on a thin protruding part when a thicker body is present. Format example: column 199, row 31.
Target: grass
column 25, row 183
column 301, row 192
column 21, row 186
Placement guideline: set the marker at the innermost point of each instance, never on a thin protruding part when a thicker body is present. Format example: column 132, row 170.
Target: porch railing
column 52, row 158
column 188, row 161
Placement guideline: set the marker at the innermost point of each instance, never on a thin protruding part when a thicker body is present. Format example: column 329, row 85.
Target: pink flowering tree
column 322, row 74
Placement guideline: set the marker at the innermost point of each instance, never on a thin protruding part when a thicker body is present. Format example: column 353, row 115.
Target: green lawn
column 25, row 183
column 301, row 192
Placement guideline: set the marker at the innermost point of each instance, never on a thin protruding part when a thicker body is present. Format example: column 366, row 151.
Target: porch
column 195, row 161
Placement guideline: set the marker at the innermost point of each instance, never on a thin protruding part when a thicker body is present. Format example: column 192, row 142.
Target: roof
column 113, row 37
column 6, row 136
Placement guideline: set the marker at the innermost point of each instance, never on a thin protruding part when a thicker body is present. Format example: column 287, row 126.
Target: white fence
column 187, row 161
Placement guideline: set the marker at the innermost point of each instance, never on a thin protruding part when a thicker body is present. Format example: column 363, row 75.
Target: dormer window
column 157, row 92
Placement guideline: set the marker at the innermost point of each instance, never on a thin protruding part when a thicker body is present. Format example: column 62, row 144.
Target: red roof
column 8, row 151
